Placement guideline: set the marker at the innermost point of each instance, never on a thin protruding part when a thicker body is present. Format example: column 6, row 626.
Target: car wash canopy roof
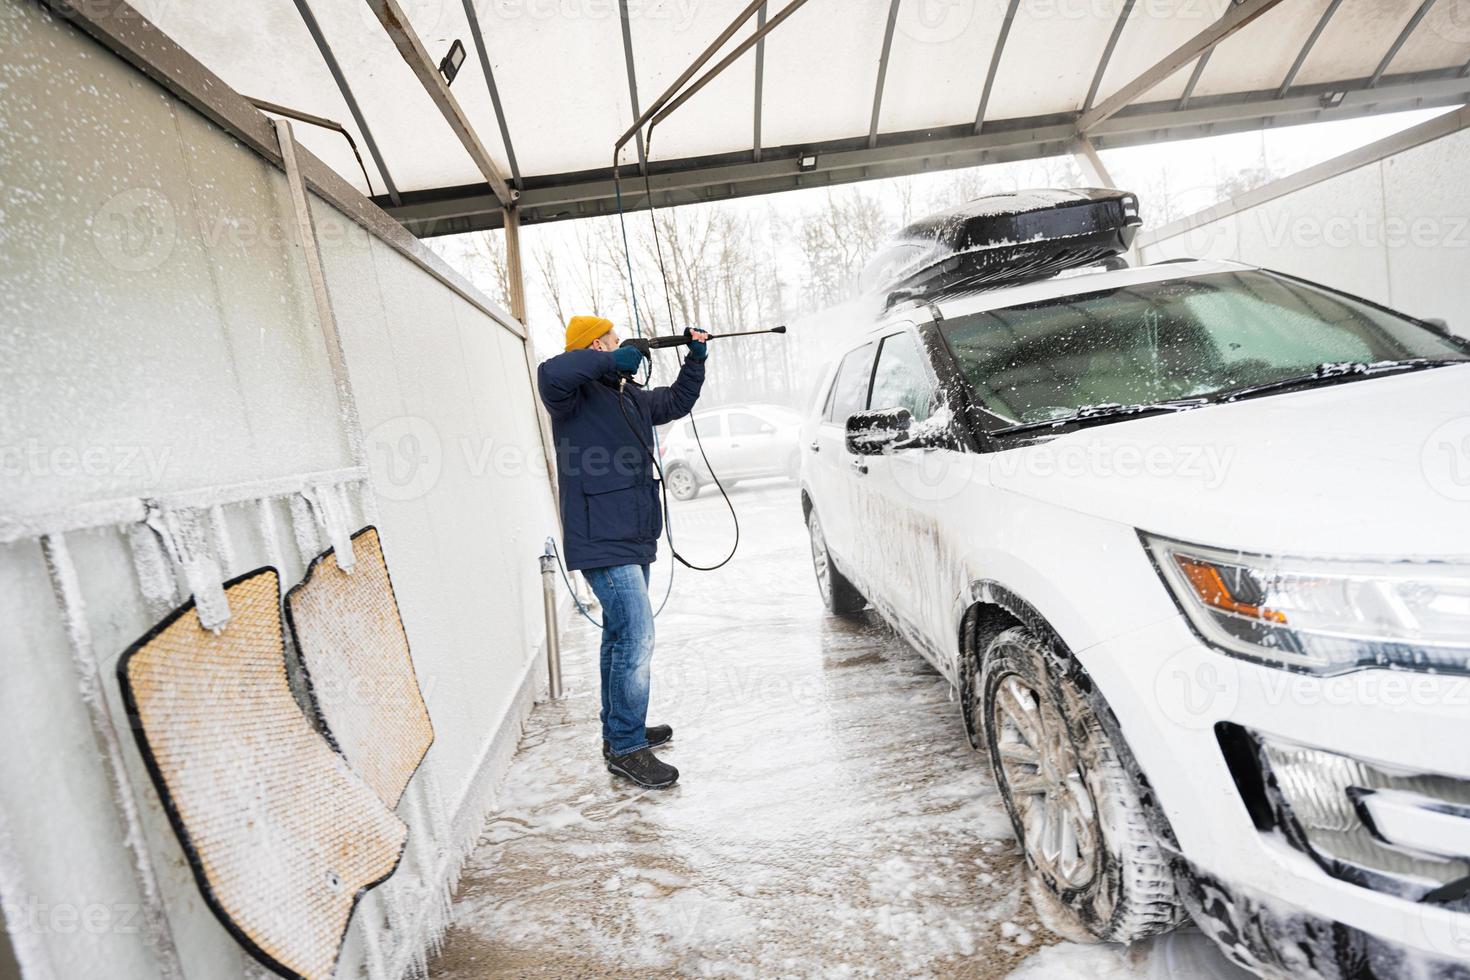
column 838, row 90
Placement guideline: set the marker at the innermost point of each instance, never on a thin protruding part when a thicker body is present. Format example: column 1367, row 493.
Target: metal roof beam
column 1107, row 56
column 1094, row 171
column 1301, row 57
column 1399, row 42
column 632, row 86
column 883, row 71
column 479, row 38
column 843, row 161
column 641, row 118
column 1000, row 46
column 401, row 32
column 760, row 79
column 724, row 62
column 1400, row 142
column 315, row 30
column 1237, row 17
column 1194, row 77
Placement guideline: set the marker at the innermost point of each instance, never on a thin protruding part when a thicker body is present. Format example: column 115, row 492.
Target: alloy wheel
column 821, row 563
column 1044, row 778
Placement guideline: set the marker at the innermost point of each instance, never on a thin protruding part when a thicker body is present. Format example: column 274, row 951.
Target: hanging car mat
column 282, row 836
column 354, row 655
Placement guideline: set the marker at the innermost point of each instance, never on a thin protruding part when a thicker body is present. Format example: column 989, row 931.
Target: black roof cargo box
column 1002, row 240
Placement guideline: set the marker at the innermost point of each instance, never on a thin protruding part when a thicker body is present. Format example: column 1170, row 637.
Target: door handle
column 734, row 445
column 860, row 465
column 815, row 447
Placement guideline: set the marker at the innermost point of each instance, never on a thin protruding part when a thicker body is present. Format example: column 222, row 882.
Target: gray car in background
column 741, row 442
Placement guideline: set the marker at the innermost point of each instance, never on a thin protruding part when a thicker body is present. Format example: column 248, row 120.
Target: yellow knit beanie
column 583, row 330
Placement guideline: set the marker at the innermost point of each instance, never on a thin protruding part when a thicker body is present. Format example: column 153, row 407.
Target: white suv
column 1192, row 541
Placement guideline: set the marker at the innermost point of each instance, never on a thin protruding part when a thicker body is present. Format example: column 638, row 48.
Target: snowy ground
column 831, row 819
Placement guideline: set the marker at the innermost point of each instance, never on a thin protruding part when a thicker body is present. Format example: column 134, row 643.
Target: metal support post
column 553, row 634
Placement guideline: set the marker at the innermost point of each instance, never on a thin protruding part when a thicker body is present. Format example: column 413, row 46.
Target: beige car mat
column 359, row 672
column 283, row 838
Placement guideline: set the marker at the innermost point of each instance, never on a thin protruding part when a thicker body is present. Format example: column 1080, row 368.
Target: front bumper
column 1252, row 887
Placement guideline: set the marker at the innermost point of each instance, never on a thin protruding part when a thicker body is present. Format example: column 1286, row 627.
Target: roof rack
column 1003, row 240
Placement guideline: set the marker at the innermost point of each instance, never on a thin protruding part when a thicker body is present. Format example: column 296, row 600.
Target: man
column 611, row 518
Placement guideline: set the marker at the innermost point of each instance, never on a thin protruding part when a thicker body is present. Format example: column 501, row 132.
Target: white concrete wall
column 1396, row 231
column 158, row 335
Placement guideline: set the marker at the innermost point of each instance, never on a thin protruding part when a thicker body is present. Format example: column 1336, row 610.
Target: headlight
column 1322, row 615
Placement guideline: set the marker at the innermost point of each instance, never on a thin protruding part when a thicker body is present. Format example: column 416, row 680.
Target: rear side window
column 901, row 379
column 709, row 425
column 850, row 389
column 745, row 425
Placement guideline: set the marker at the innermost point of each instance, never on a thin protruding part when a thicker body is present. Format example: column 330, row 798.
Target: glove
column 627, row 360
column 697, row 348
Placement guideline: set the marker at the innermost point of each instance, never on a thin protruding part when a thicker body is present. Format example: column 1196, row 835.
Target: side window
column 850, row 390
column 902, row 380
column 745, row 425
column 709, row 425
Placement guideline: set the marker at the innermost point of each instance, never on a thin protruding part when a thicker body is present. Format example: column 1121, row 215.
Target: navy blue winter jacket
column 609, row 502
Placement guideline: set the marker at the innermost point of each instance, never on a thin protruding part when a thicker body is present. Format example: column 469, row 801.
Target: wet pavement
column 830, row 820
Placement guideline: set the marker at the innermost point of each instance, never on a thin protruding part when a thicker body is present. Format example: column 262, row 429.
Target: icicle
column 68, row 589
column 366, row 502
column 270, row 534
column 220, row 534
column 303, row 525
column 183, row 533
column 326, row 504
column 151, row 565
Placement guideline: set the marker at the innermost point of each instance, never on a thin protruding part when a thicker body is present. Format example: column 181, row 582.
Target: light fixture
column 450, row 66
column 807, row 162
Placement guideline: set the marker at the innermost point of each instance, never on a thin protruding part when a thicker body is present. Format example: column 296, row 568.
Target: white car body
column 1337, row 472
column 742, row 442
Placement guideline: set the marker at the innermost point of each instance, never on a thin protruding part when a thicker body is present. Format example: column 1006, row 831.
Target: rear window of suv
column 1181, row 338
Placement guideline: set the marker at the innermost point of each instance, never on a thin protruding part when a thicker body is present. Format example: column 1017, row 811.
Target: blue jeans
column 627, row 653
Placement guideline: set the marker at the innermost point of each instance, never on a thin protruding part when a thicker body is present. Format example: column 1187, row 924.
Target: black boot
column 644, row 768
column 655, row 735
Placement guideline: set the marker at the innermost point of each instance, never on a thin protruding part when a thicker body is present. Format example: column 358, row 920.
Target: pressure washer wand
column 646, row 344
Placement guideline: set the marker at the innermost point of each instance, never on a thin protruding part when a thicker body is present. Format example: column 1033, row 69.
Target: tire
column 838, row 594
column 682, row 482
column 1096, row 872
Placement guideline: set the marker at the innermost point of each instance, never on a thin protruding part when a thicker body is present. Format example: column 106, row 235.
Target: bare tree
column 550, row 278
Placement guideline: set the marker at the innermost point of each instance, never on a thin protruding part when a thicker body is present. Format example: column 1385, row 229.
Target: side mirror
column 869, row 433
column 767, row 429
column 1438, row 325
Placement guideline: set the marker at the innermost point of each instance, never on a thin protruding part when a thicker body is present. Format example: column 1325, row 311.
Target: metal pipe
column 553, row 634
column 698, row 63
column 727, row 61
